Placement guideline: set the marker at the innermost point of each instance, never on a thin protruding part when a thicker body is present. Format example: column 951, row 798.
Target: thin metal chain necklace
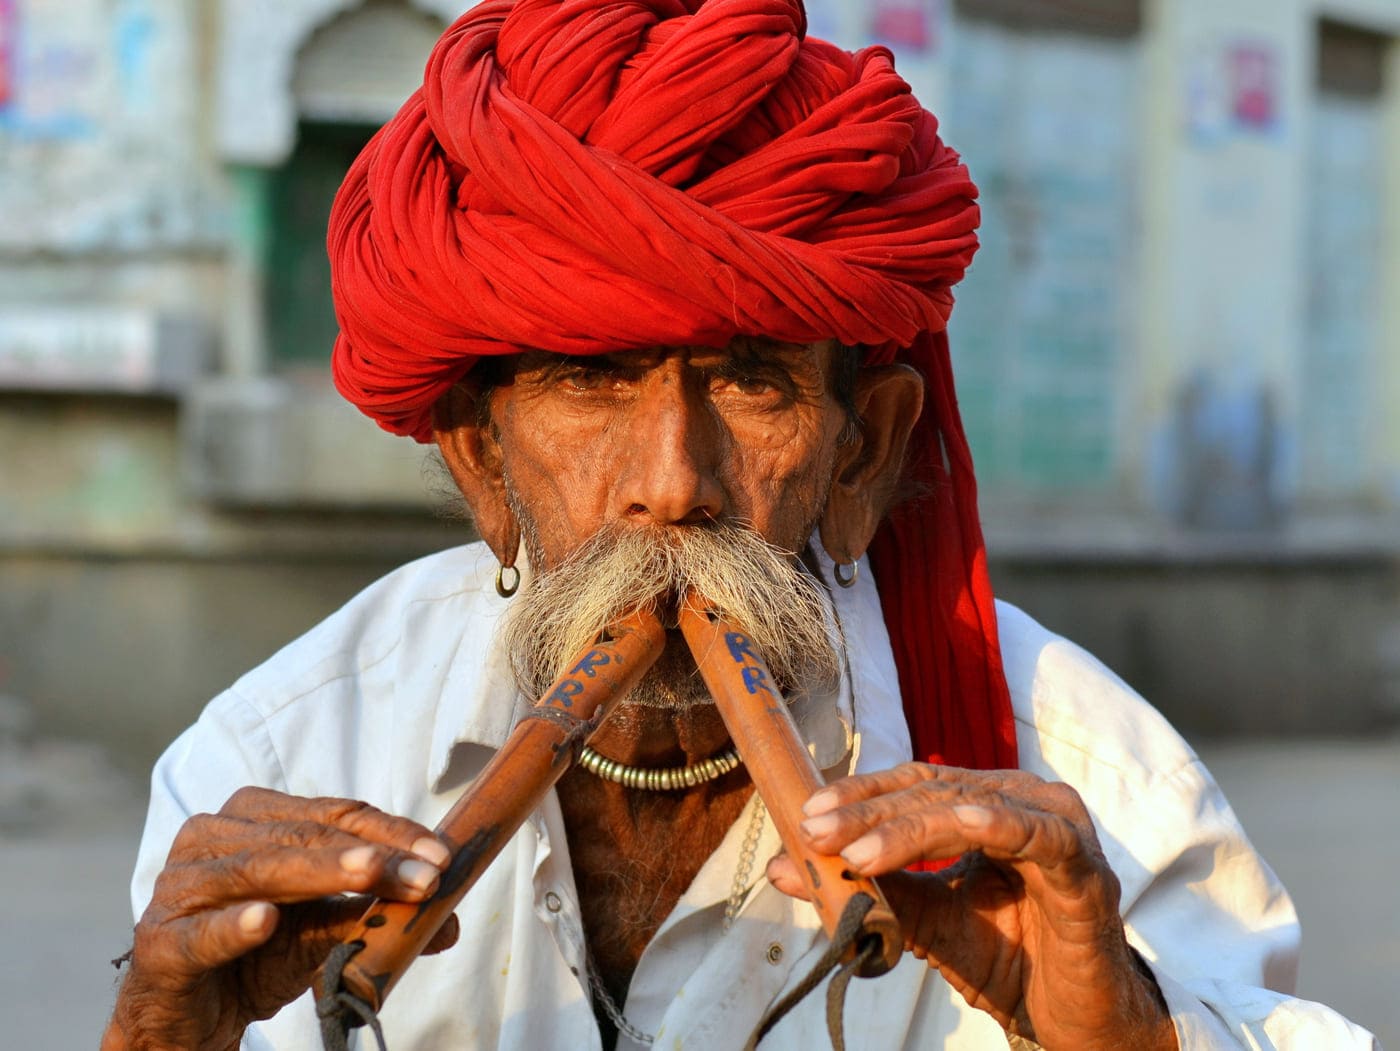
column 747, row 852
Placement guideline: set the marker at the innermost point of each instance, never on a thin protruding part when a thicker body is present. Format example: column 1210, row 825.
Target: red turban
column 586, row 176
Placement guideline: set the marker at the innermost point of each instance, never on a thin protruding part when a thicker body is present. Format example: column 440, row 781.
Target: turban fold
column 589, row 176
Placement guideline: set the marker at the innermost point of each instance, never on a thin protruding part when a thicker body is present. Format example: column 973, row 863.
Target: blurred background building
column 1176, row 354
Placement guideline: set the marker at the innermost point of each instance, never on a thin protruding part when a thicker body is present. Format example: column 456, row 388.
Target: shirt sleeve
column 228, row 748
column 1229, row 1016
column 1220, row 934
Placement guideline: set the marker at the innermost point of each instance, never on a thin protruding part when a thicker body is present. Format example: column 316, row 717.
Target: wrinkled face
column 665, row 447
column 747, row 434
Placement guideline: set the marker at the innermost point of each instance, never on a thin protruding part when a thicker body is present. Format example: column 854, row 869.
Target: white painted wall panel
column 1047, row 124
column 99, row 132
column 1344, row 259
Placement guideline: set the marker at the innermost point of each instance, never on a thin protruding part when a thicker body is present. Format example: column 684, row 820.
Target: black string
column 847, row 930
column 836, row 992
column 339, row 1009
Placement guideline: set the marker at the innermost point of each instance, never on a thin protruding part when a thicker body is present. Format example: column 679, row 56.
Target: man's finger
column 292, row 874
column 193, row 945
column 211, row 836
column 783, row 873
column 1050, row 842
column 857, row 787
column 848, row 790
column 265, row 806
column 904, row 812
column 445, row 938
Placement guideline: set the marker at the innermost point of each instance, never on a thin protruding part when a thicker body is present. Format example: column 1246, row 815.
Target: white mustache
column 622, row 569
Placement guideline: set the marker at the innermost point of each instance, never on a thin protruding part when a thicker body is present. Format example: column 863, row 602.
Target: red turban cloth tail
column 588, row 176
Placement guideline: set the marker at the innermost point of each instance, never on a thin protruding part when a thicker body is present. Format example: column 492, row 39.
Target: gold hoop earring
column 502, row 589
column 844, row 581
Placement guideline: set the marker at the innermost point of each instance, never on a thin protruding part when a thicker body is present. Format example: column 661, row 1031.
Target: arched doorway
column 349, row 77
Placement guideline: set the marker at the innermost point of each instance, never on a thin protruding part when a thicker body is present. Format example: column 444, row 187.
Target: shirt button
column 552, row 902
column 775, row 953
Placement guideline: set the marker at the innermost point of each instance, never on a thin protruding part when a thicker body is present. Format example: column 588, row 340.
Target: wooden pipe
column 539, row 751
column 783, row 772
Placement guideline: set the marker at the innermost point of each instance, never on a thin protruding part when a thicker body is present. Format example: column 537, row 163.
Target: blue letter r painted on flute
column 591, row 661
column 565, row 693
column 756, row 679
column 740, row 648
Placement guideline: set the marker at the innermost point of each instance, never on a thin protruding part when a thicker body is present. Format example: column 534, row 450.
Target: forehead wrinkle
column 742, row 347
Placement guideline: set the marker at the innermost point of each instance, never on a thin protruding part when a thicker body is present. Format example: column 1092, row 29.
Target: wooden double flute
column 784, row 773
column 546, row 743
column 538, row 752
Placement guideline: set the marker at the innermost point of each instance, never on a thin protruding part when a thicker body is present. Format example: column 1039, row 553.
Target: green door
column 301, row 320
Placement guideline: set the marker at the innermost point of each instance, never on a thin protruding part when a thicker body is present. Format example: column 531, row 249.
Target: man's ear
column 888, row 400
column 473, row 455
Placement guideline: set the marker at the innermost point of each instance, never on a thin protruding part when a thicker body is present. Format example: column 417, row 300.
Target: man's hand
column 249, row 904
column 1025, row 926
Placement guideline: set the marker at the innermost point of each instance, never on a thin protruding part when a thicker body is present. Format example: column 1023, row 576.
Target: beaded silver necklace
column 659, row 779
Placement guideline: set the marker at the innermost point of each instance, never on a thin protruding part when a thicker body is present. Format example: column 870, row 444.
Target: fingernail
column 418, row 874
column 973, row 816
column 255, row 918
column 821, row 825
column 358, row 859
column 820, row 803
column 430, row 849
column 862, row 852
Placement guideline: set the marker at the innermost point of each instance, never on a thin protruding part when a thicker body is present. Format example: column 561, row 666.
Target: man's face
column 665, row 444
column 748, row 434
column 636, row 476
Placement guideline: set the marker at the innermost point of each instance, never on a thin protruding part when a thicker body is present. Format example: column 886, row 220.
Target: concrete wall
column 127, row 651
column 1227, row 644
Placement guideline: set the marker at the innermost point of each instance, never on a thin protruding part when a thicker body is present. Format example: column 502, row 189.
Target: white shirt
column 399, row 698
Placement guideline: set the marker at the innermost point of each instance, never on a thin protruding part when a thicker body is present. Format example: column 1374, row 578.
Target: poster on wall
column 9, row 27
column 1234, row 89
column 52, row 69
column 1253, row 78
column 907, row 26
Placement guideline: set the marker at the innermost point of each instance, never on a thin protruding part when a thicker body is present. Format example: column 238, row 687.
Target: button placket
column 554, row 897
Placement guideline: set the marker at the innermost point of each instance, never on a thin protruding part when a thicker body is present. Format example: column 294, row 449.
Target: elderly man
column 666, row 283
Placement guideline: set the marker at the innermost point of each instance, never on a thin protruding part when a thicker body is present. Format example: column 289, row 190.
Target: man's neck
column 636, row 852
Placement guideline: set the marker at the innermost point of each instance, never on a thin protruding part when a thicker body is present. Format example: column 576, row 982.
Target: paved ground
column 1326, row 815
column 68, row 831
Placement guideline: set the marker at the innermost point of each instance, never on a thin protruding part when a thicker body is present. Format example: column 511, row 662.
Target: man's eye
column 749, row 384
column 585, row 378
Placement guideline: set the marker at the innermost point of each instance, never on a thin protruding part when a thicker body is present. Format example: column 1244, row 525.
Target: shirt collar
column 479, row 703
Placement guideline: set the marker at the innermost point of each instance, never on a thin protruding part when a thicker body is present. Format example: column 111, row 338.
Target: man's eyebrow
column 746, row 365
column 793, row 360
column 788, row 354
column 546, row 365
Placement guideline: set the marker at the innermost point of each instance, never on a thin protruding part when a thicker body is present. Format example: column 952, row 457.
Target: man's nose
column 670, row 459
